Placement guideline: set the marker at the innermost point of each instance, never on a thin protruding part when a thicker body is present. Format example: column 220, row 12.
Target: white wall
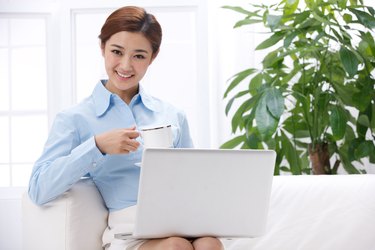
column 230, row 51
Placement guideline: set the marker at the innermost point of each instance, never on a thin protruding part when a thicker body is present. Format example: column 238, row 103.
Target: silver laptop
column 203, row 192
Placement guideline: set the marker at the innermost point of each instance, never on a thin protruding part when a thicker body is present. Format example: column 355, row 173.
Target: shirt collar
column 150, row 102
column 102, row 98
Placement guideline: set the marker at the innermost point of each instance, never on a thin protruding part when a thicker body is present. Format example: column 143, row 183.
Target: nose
column 126, row 63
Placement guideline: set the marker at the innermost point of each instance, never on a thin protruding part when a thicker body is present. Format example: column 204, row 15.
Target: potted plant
column 313, row 99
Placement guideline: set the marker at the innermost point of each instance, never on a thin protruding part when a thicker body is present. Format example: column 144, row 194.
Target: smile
column 123, row 75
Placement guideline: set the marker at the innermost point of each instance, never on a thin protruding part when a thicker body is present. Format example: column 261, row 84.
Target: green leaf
column 305, row 163
column 345, row 92
column 266, row 123
column 240, row 10
column 363, row 98
column 364, row 121
column 349, row 134
column 364, row 18
column 364, row 49
column 338, row 122
column 296, row 126
column 287, row 79
column 234, row 142
column 342, row 3
column 251, row 17
column 289, row 38
column 271, row 143
column 364, row 149
column 371, row 10
column 276, row 37
column 301, row 17
column 338, row 36
column 361, row 129
column 352, row 145
column 304, row 101
column 370, row 40
column 321, row 18
column 372, row 123
column 270, row 59
column 255, row 83
column 349, row 61
column 347, row 18
column 273, row 21
column 230, row 102
column 348, row 166
column 285, row 169
column 246, row 21
column 275, row 102
column 355, row 2
column 291, row 155
column 290, row 7
column 252, row 141
column 237, row 120
column 237, row 78
column 309, row 23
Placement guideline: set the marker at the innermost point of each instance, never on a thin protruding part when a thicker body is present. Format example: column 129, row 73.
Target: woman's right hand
column 118, row 141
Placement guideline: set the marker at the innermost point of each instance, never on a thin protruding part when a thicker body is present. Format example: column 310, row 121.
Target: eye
column 116, row 52
column 140, row 56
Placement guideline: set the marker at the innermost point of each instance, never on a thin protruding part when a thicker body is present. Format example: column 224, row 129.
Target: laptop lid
column 204, row 192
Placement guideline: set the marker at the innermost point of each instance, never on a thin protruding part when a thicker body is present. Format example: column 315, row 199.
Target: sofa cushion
column 318, row 212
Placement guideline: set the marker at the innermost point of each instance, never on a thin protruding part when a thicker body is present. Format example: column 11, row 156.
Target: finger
column 133, row 134
column 131, row 145
column 132, row 128
column 129, row 148
column 125, row 151
column 134, row 145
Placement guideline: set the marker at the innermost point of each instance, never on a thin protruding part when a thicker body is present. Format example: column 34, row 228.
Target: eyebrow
column 137, row 50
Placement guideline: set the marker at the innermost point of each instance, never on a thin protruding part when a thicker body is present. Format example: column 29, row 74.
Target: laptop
column 203, row 192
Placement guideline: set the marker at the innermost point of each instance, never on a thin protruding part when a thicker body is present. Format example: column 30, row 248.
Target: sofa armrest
column 74, row 221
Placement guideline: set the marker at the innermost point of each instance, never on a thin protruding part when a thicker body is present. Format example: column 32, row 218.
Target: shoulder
column 165, row 106
column 156, row 104
column 69, row 114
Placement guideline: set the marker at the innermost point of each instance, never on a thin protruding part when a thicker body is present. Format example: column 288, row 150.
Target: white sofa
column 306, row 212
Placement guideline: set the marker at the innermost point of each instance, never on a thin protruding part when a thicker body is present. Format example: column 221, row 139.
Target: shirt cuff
column 91, row 157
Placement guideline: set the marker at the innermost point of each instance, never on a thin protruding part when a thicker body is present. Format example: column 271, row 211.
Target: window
column 23, row 96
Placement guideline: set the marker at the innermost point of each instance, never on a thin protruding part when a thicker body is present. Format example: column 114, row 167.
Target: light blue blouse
column 70, row 152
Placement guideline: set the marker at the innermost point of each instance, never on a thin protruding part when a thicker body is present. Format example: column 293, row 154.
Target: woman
column 98, row 138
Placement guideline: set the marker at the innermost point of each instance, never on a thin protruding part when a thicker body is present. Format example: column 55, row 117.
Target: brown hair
column 132, row 19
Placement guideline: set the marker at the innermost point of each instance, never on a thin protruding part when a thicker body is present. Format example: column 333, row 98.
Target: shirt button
column 94, row 164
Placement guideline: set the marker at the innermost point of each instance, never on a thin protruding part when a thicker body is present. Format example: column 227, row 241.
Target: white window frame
column 11, row 14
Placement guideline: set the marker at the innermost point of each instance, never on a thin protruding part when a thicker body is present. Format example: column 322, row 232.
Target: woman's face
column 127, row 56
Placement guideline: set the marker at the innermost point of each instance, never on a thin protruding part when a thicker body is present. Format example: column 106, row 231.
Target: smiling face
column 127, row 56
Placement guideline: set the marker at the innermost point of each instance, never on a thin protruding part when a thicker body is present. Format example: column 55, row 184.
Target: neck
column 126, row 95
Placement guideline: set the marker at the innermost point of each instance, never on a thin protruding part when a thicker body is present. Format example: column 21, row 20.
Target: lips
column 123, row 75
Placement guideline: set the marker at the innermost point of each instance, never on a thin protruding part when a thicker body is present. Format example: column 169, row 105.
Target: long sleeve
column 64, row 161
column 184, row 140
